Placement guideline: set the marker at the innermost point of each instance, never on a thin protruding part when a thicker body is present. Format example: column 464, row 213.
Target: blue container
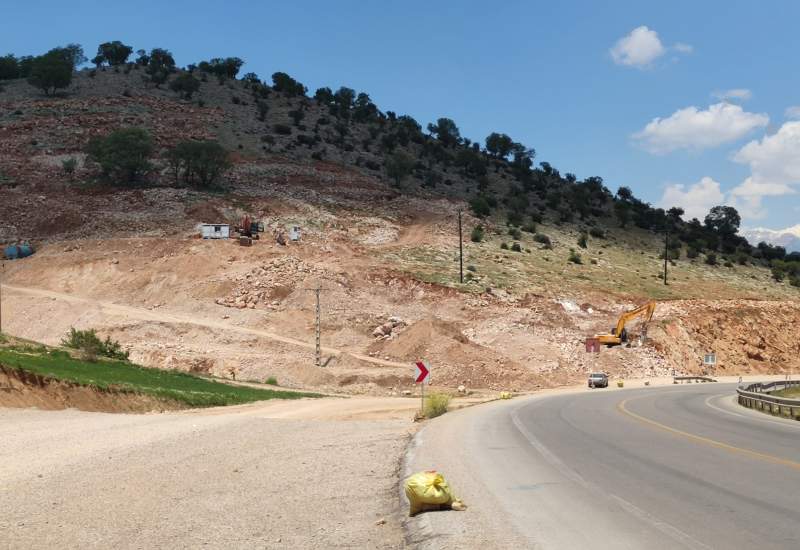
column 16, row 252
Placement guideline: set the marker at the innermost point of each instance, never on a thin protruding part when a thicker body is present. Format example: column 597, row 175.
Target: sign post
column 423, row 369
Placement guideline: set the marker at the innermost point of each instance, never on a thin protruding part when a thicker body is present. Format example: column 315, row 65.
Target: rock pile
column 269, row 283
column 390, row 328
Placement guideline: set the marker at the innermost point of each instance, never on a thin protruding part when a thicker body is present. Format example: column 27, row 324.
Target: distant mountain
column 788, row 238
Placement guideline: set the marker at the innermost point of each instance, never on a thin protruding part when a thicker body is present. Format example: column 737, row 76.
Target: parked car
column 598, row 380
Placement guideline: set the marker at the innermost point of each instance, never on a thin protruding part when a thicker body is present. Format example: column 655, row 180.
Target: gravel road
column 314, row 474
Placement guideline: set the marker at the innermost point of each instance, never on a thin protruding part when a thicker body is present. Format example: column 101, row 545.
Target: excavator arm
column 617, row 334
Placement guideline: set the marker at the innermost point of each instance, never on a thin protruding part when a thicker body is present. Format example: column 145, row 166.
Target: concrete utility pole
column 460, row 251
column 318, row 330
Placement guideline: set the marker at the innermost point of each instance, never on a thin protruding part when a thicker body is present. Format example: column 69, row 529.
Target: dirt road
column 162, row 316
column 310, row 474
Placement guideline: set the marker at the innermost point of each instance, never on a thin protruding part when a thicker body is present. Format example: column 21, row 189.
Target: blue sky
column 578, row 81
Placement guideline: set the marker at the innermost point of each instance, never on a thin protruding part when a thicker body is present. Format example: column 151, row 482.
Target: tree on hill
column 445, row 131
column 282, row 82
column 199, row 163
column 123, row 154
column 222, row 68
column 724, row 220
column 114, row 53
column 9, row 67
column 499, row 145
column 398, row 167
column 159, row 65
column 51, row 71
column 185, row 85
column 73, row 54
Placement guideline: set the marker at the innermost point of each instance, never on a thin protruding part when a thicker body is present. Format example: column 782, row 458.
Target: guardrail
column 682, row 379
column 756, row 396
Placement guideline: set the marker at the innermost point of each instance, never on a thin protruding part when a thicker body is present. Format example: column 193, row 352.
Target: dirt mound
column 420, row 338
column 21, row 389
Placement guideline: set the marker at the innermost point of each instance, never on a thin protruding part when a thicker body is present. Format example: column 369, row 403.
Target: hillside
column 126, row 259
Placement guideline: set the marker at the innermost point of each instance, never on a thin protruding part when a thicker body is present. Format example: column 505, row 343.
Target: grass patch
column 121, row 375
column 436, row 405
column 790, row 393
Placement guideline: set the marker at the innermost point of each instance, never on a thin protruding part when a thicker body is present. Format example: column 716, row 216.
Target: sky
column 688, row 103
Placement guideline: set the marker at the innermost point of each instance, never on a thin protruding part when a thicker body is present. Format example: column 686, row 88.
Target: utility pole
column 2, row 272
column 666, row 254
column 318, row 327
column 460, row 251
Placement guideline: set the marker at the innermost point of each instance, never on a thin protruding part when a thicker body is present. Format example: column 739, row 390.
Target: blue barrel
column 15, row 252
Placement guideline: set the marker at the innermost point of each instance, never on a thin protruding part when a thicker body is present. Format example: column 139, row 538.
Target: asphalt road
column 670, row 467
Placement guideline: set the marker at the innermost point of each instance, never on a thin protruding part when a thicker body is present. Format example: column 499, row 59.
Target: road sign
column 423, row 370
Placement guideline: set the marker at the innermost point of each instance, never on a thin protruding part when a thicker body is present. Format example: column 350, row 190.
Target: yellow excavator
column 619, row 334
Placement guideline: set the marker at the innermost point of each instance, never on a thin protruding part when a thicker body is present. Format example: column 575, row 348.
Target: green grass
column 791, row 393
column 119, row 375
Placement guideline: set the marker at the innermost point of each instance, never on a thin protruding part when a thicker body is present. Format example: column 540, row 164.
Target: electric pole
column 460, row 251
column 2, row 272
column 318, row 327
column 666, row 254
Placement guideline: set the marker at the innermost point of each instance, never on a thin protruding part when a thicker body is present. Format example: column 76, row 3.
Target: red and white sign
column 423, row 370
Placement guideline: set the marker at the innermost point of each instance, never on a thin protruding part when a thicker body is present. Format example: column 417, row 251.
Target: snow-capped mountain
column 788, row 238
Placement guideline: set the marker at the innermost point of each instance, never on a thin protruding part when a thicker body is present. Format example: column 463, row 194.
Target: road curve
column 669, row 467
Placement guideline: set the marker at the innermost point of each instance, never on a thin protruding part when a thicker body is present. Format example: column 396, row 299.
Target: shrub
column 515, row 233
column 472, row 268
column 123, row 154
column 529, row 227
column 282, row 82
column 263, row 109
column 516, row 247
column 69, row 165
column 477, row 234
column 597, row 233
column 543, row 239
column 504, row 246
column 436, row 404
column 574, row 257
column 198, row 163
column 711, row 259
column 282, row 129
column 728, row 263
column 582, row 239
column 272, row 381
column 399, row 166
column 185, row 85
column 480, row 206
column 91, row 346
column 692, row 252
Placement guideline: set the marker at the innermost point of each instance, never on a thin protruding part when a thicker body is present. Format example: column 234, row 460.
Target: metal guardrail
column 676, row 379
column 756, row 396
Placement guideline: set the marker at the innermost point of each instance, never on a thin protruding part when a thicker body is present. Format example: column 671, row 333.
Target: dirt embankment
column 20, row 389
column 747, row 336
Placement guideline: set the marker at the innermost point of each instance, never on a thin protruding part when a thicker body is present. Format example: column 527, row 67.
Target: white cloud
column 774, row 160
column 696, row 200
column 736, row 94
column 680, row 47
column 693, row 129
column 793, row 112
column 638, row 49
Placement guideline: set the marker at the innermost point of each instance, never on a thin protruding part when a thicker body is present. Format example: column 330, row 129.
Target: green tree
column 623, row 212
column 398, row 167
column 114, row 53
column 123, row 154
column 445, row 131
column 160, row 64
column 499, row 145
column 51, row 71
column 282, row 82
column 199, row 163
column 74, row 54
column 9, row 67
column 185, row 84
column 725, row 220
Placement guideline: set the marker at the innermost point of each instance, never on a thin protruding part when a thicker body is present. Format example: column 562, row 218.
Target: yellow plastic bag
column 427, row 491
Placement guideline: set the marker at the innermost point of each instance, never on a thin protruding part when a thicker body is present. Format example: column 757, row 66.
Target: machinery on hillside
column 619, row 334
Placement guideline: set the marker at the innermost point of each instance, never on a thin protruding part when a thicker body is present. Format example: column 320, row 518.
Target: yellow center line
column 708, row 441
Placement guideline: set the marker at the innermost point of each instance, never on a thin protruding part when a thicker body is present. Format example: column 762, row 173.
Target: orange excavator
column 619, row 334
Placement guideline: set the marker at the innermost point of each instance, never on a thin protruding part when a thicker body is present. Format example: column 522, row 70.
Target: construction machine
column 619, row 334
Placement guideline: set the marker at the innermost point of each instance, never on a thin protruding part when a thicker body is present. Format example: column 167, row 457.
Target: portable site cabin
column 215, row 231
